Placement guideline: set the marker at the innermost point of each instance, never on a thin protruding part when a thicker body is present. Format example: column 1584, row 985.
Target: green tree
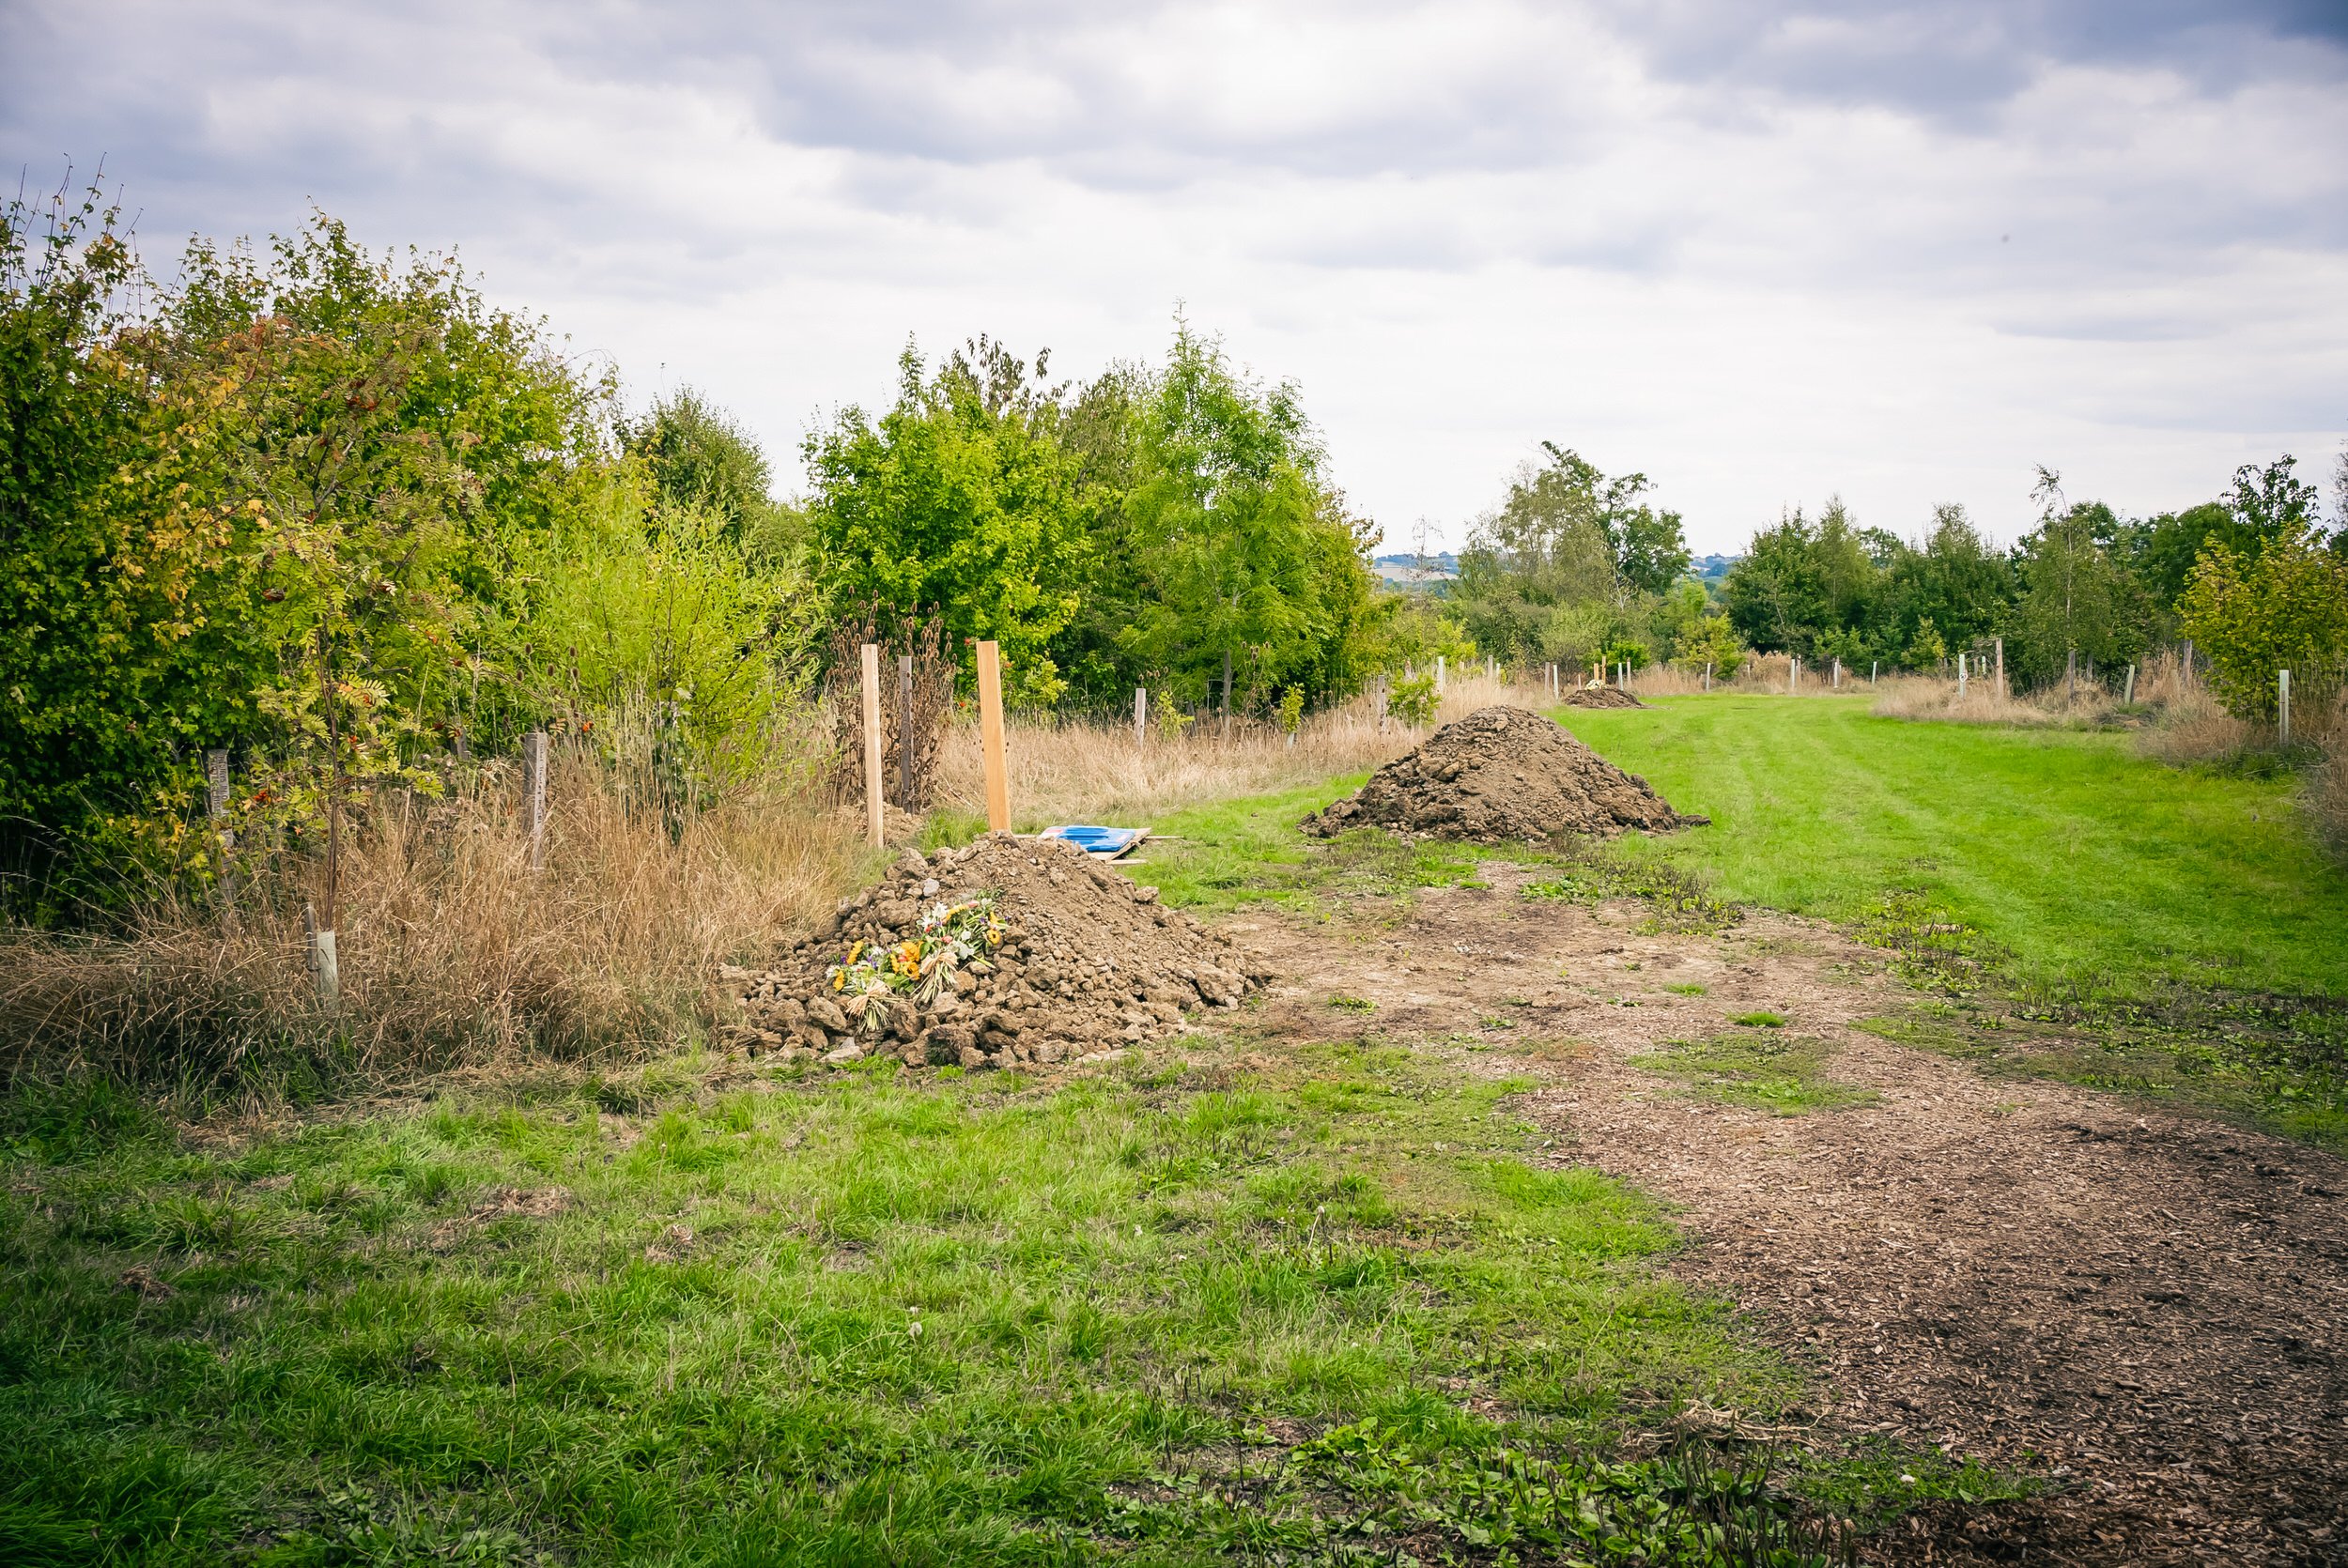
column 2074, row 594
column 2285, row 609
column 95, row 599
column 961, row 497
column 701, row 459
column 276, row 499
column 1778, row 596
column 1570, row 561
column 1252, row 566
column 1956, row 581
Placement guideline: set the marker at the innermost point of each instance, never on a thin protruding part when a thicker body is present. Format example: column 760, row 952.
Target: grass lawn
column 2094, row 869
column 1309, row 1302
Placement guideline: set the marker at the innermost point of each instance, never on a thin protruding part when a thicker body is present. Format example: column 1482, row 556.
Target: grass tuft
column 1783, row 1074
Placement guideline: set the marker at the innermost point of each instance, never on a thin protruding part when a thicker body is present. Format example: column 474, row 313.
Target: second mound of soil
column 1602, row 697
column 1501, row 776
column 1086, row 962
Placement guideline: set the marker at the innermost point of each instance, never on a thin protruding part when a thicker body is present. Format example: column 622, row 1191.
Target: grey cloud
column 1956, row 61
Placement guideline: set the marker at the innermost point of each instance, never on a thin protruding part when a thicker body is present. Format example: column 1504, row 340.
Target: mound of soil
column 1087, row 962
column 1602, row 697
column 1501, row 776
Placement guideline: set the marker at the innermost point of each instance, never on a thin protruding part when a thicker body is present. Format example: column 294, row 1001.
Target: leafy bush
column 1412, row 699
column 2286, row 608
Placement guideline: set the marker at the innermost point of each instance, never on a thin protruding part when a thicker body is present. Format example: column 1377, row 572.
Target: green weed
column 1677, row 902
column 1780, row 1073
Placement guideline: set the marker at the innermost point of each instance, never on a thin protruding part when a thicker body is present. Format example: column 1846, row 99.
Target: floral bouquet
column 952, row 937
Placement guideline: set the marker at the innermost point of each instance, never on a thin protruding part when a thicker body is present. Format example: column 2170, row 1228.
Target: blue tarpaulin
column 1107, row 842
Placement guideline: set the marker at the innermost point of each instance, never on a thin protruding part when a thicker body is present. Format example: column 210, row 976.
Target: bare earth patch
column 2144, row 1310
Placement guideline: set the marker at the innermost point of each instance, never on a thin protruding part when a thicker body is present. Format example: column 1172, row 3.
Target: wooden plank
column 991, row 738
column 873, row 803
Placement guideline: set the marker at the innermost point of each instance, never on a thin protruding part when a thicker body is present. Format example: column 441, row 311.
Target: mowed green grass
column 2092, row 867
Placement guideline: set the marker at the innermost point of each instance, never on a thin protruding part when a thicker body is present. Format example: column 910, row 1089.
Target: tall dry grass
column 1759, row 674
column 2328, row 800
column 1081, row 771
column 451, row 951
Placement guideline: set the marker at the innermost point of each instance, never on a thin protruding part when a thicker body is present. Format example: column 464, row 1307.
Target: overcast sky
column 1763, row 253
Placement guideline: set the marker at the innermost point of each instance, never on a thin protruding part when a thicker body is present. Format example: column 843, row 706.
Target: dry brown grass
column 1929, row 696
column 451, row 951
column 1760, row 674
column 1081, row 772
column 2327, row 801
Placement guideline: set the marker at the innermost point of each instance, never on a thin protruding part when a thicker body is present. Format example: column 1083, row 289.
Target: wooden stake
column 991, row 738
column 904, row 730
column 535, row 796
column 1227, row 694
column 1439, row 674
column 1964, row 662
column 2282, row 707
column 874, row 814
column 2129, row 695
column 2070, row 677
column 1141, row 716
column 2002, row 669
column 1708, row 675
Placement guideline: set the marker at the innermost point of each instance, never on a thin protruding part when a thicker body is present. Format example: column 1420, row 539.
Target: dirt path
column 2150, row 1310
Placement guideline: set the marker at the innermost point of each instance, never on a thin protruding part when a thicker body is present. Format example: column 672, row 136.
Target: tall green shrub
column 2286, row 608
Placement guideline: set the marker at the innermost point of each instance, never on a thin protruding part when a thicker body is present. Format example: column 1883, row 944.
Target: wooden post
column 2001, row 692
column 1793, row 674
column 1708, row 675
column 535, row 796
column 1384, row 682
column 2128, row 697
column 1439, row 674
column 2188, row 659
column 873, row 815
column 991, row 738
column 1838, row 674
column 2282, row 707
column 2070, row 676
column 1963, row 663
column 1227, row 694
column 1141, row 716
column 904, row 730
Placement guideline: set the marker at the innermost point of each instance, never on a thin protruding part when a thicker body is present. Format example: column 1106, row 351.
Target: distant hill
column 1402, row 570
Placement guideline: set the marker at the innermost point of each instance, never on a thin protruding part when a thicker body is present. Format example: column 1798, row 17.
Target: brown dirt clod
column 1090, row 962
column 1502, row 775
